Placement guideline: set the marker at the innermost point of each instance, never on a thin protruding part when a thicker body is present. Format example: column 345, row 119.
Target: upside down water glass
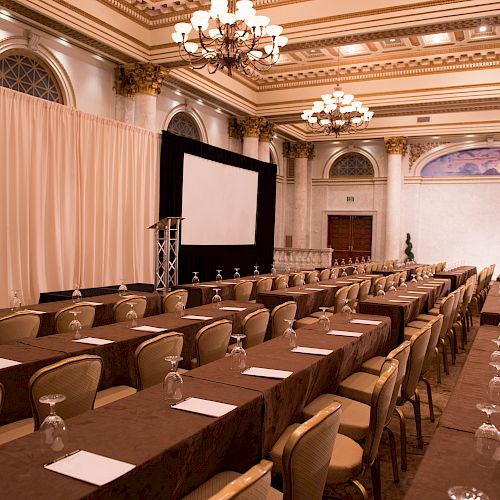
column 195, row 281
column 217, row 299
column 238, row 354
column 75, row 325
column 53, row 433
column 290, row 335
column 172, row 384
column 324, row 320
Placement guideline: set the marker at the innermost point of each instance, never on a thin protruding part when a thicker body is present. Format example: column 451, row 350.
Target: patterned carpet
column 440, row 393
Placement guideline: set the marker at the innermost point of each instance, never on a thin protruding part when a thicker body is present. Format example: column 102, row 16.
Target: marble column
column 142, row 81
column 235, row 135
column 250, row 126
column 310, row 159
column 301, row 151
column 266, row 133
column 396, row 148
column 124, row 109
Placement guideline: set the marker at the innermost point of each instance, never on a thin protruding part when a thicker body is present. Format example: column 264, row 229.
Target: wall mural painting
column 470, row 163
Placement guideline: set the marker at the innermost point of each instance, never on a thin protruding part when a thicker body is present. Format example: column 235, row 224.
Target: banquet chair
column 172, row 298
column 339, row 301
column 379, row 282
column 77, row 378
column 325, row 274
column 149, row 358
column 252, row 485
column 389, row 281
column 352, row 295
column 312, row 277
column 2, row 395
column 281, row 282
column 349, row 459
column 435, row 325
column 298, row 279
column 211, row 342
column 254, row 327
column 264, row 285
column 364, row 291
column 334, row 274
column 403, row 275
column 64, row 317
column 279, row 314
column 465, row 315
column 122, row 307
column 303, row 452
column 243, row 290
column 17, row 326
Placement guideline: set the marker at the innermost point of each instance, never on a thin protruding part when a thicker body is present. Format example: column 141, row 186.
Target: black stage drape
column 207, row 258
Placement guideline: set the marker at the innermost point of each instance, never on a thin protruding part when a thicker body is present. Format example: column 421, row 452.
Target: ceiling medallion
column 230, row 36
column 337, row 113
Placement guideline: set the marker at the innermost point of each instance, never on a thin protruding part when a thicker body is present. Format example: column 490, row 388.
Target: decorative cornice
column 139, row 78
column 417, row 150
column 396, row 145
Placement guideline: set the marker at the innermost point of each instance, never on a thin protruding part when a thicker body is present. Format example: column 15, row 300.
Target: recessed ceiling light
column 436, row 137
column 483, row 28
column 177, row 92
column 63, row 41
column 98, row 57
column 392, row 40
column 471, row 135
column 5, row 12
column 199, row 101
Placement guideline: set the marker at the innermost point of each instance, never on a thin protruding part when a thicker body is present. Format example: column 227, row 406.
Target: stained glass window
column 183, row 124
column 28, row 74
column 352, row 165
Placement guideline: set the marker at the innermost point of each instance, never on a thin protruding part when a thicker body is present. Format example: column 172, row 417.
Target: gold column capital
column 250, row 126
column 234, row 129
column 266, row 131
column 139, row 78
column 396, row 145
column 302, row 149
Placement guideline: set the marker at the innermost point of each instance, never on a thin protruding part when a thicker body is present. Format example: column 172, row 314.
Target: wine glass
column 15, row 300
column 419, row 277
column 403, row 283
column 380, row 290
column 75, row 325
column 290, row 335
column 342, row 262
column 273, row 270
column 195, row 281
column 346, row 310
column 238, row 354
column 392, row 288
column 494, row 390
column 324, row 320
column 336, row 263
column 363, row 261
column 349, row 262
column 368, row 259
column 343, row 274
column 355, row 272
column 496, row 342
column 356, row 261
column 218, row 278
column 495, row 361
column 256, row 272
column 131, row 315
column 384, row 267
column 179, row 306
column 53, row 433
column 466, row 493
column 122, row 289
column 172, row 384
column 237, row 275
column 76, row 296
column 487, row 437
column 414, row 278
column 216, row 299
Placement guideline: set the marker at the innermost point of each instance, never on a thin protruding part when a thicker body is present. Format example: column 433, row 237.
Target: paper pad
column 93, row 341
column 266, row 372
column 193, row 316
column 151, row 329
column 204, row 407
column 230, row 308
column 365, row 322
column 5, row 363
column 312, row 350
column 341, row 333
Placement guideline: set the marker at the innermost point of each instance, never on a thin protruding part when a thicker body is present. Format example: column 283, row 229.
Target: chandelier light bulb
column 183, row 28
column 274, row 30
column 244, row 4
column 338, row 93
column 191, row 47
column 281, row 41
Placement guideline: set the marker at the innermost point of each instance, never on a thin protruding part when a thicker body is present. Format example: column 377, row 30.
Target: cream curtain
column 76, row 194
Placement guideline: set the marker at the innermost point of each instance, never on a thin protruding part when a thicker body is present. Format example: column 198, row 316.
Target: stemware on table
column 290, row 335
column 237, row 275
column 218, row 278
column 217, row 299
column 466, row 493
column 380, row 290
column 256, row 272
column 179, row 306
column 75, row 325
column 53, row 432
column 324, row 320
column 487, row 438
column 15, row 301
column 195, row 280
column 238, row 355
column 172, row 384
column 76, row 296
column 131, row 315
column 122, row 289
column 346, row 310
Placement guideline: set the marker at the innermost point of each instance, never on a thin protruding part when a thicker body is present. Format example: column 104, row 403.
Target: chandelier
column 230, row 36
column 337, row 113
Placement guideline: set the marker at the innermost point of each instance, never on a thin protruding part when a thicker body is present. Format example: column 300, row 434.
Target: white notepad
column 33, row 311
column 329, row 286
column 400, row 301
column 89, row 467
column 93, row 341
column 88, row 303
column 5, row 363
column 428, row 287
column 204, row 407
column 342, row 333
column 209, row 286
column 406, row 297
column 312, row 350
column 314, row 289
column 419, row 293
column 266, row 372
column 194, row 316
column 231, row 308
column 229, row 283
column 298, row 293
column 151, row 329
column 344, row 282
column 365, row 322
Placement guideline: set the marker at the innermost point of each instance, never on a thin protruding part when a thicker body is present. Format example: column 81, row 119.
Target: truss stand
column 167, row 234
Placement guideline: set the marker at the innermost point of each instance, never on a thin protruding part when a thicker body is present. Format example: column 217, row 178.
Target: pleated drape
column 77, row 193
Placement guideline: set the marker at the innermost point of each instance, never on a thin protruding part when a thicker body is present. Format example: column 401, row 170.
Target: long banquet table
column 118, row 356
column 104, row 314
column 176, row 451
column 458, row 276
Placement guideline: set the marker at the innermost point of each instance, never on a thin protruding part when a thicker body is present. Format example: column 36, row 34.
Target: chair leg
column 445, row 358
column 402, row 434
column 429, row 397
column 418, row 418
column 451, row 342
column 394, row 456
column 360, row 487
column 438, row 364
column 376, row 480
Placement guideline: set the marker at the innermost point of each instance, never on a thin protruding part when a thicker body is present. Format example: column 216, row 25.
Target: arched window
column 27, row 73
column 183, row 124
column 351, row 165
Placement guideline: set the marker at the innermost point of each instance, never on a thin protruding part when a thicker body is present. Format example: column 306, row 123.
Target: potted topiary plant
column 408, row 249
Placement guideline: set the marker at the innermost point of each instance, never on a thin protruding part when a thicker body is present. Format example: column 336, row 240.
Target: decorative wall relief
column 469, row 163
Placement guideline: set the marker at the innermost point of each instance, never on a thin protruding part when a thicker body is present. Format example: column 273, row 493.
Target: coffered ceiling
column 423, row 67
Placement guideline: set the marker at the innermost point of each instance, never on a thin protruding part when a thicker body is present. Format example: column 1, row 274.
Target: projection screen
column 219, row 203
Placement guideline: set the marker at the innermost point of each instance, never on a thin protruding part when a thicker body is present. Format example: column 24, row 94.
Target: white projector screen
column 219, row 203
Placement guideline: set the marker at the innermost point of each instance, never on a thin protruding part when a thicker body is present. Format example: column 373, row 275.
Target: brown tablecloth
column 457, row 276
column 490, row 312
column 450, row 461
column 103, row 313
column 410, row 270
column 174, row 451
column 312, row 375
column 15, row 379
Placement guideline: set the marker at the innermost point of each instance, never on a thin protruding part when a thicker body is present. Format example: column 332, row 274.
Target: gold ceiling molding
column 419, row 149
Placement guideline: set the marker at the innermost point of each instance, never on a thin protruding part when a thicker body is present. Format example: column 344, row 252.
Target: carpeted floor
column 440, row 393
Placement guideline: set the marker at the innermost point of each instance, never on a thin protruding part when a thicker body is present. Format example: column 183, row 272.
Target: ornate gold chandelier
column 337, row 113
column 230, row 36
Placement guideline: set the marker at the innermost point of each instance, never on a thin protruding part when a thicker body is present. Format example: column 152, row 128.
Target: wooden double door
column 350, row 236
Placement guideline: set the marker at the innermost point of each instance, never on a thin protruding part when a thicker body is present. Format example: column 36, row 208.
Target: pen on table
column 61, row 458
column 179, row 402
